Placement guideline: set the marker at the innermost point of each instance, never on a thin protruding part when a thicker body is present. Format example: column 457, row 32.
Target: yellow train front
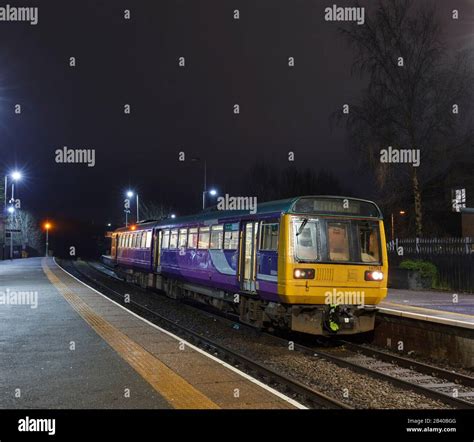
column 312, row 264
column 332, row 266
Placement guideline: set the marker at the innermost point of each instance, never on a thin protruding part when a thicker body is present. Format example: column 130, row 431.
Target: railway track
column 433, row 382
column 306, row 395
column 451, row 388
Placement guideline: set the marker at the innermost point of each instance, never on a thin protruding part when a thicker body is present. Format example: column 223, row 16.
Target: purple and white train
column 314, row 264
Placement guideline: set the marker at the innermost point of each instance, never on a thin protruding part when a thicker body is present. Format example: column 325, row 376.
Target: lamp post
column 212, row 192
column 15, row 176
column 205, row 191
column 47, row 226
column 401, row 212
column 130, row 195
column 11, row 211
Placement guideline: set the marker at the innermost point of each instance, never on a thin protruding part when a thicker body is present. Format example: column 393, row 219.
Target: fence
column 453, row 257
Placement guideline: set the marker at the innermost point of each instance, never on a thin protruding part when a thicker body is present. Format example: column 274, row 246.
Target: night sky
column 175, row 109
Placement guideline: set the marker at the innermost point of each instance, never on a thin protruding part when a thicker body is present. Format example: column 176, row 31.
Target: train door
column 114, row 246
column 157, row 251
column 248, row 246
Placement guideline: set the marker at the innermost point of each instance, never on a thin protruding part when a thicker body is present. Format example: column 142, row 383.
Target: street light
column 130, row 195
column 402, row 213
column 213, row 192
column 15, row 176
column 173, row 215
column 11, row 211
column 47, row 226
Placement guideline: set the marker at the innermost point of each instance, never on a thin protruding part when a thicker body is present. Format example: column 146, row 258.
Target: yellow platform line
column 425, row 309
column 176, row 390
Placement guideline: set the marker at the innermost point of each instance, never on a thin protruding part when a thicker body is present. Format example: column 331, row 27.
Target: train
column 311, row 264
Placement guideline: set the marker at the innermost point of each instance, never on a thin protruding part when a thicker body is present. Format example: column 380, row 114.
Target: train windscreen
column 333, row 240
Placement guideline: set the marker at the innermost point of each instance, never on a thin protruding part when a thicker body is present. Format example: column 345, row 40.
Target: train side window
column 269, row 236
column 129, row 239
column 149, row 236
column 192, row 238
column 135, row 240
column 174, row 239
column 231, row 236
column 217, row 235
column 144, row 235
column 165, row 242
column 183, row 238
column 203, row 238
column 120, row 241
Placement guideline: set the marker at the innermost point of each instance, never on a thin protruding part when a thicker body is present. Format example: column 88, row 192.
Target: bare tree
column 410, row 99
column 30, row 235
column 268, row 182
column 154, row 211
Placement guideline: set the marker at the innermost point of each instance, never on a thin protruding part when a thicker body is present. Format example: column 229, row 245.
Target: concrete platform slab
column 434, row 306
column 68, row 346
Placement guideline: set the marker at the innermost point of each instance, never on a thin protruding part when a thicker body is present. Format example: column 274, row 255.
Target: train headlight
column 373, row 275
column 303, row 273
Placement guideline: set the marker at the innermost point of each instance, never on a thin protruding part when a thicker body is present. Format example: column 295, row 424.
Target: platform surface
column 442, row 307
column 64, row 345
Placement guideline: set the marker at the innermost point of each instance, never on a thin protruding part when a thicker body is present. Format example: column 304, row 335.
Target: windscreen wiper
column 300, row 228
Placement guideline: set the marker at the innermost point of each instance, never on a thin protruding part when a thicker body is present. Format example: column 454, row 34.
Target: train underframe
column 317, row 319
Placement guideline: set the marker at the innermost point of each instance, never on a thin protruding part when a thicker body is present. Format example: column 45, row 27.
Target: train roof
column 311, row 204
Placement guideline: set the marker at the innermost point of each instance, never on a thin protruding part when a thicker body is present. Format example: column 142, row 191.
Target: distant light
column 402, row 212
column 109, row 225
column 11, row 209
column 129, row 193
column 134, row 227
column 173, row 215
column 16, row 175
column 213, row 192
column 47, row 226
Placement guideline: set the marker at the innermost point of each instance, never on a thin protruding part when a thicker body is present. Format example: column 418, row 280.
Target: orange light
column 133, row 227
column 402, row 212
column 47, row 226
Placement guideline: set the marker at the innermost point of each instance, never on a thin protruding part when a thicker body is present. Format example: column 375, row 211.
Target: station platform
column 434, row 306
column 65, row 345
